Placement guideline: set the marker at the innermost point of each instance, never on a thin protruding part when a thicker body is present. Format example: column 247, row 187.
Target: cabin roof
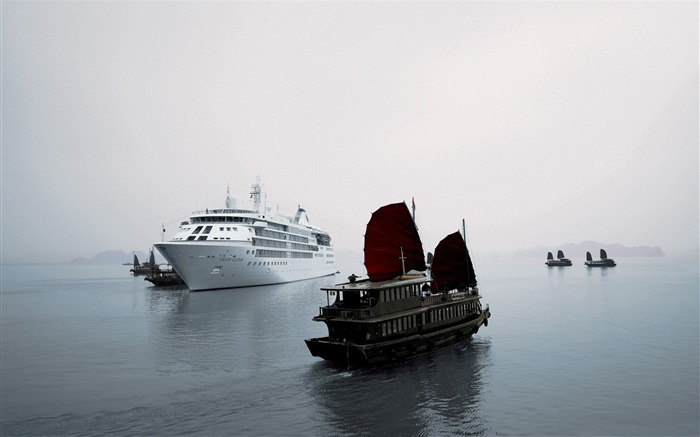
column 366, row 284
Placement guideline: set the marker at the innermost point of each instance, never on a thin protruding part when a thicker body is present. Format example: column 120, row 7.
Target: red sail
column 389, row 232
column 452, row 267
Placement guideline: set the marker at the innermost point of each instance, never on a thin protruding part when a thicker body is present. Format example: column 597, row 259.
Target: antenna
column 413, row 206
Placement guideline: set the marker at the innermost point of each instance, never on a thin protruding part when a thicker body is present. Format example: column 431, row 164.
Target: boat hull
column 608, row 263
column 558, row 263
column 387, row 352
column 213, row 266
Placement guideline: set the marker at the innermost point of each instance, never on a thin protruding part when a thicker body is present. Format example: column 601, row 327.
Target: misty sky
column 540, row 123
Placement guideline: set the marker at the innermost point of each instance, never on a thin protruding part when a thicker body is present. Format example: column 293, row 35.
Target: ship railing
column 432, row 300
column 438, row 298
column 346, row 313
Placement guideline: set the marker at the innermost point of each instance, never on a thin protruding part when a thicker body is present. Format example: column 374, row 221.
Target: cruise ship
column 243, row 247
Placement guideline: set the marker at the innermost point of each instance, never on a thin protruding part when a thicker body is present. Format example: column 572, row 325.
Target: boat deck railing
column 449, row 297
column 346, row 313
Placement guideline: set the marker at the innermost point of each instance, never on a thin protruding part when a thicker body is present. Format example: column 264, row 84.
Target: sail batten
column 392, row 243
column 452, row 266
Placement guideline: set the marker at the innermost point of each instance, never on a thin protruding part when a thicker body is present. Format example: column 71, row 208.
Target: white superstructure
column 242, row 247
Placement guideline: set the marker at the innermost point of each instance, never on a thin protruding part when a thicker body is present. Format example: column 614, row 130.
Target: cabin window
column 192, row 237
column 197, row 229
column 203, row 237
column 383, row 329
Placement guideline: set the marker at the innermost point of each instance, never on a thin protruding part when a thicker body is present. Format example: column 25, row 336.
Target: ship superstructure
column 241, row 247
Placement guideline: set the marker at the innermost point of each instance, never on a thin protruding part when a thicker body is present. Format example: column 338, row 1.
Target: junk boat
column 561, row 261
column 604, row 261
column 400, row 311
column 164, row 278
column 146, row 268
column 242, row 247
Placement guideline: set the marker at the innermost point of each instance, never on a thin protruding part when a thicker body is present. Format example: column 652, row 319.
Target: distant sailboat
column 145, row 268
column 604, row 261
column 561, row 261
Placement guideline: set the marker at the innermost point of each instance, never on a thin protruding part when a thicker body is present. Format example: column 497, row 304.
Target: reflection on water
column 164, row 300
column 439, row 394
column 228, row 330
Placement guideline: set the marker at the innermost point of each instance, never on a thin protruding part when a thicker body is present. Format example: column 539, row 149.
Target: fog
column 539, row 123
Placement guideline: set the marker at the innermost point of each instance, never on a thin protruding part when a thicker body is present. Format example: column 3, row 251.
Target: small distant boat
column 146, row 268
column 561, row 261
column 164, row 278
column 604, row 261
column 400, row 311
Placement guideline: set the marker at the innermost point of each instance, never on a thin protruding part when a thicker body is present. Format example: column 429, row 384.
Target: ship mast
column 255, row 194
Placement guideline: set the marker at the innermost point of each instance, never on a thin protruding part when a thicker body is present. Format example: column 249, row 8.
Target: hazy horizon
column 539, row 123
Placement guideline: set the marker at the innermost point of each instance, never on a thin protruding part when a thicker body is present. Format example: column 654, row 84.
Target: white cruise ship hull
column 212, row 265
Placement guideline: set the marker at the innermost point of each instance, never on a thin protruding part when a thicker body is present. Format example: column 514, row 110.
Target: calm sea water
column 568, row 351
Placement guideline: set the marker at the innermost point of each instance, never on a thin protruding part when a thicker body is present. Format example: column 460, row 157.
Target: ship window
column 191, row 237
column 197, row 229
column 203, row 237
column 207, row 230
column 221, row 229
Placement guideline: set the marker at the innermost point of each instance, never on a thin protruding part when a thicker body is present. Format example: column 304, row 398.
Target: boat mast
column 464, row 232
column 229, row 204
column 255, row 193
